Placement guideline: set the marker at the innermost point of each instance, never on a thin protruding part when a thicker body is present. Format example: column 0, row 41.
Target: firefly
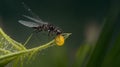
column 38, row 25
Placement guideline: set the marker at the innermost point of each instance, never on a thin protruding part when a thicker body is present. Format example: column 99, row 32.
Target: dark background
column 73, row 16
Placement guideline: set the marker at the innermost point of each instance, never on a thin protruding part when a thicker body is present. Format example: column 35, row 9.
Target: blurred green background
column 83, row 18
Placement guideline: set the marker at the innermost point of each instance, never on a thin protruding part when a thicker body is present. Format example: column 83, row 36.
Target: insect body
column 59, row 39
column 39, row 25
column 48, row 27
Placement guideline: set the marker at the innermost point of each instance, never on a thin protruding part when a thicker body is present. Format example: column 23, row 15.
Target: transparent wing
column 28, row 24
column 34, row 19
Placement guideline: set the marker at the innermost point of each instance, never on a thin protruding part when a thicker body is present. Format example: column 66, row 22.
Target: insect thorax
column 50, row 28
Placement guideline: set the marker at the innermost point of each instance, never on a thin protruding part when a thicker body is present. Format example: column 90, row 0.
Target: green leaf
column 12, row 50
column 105, row 38
column 82, row 54
column 112, row 58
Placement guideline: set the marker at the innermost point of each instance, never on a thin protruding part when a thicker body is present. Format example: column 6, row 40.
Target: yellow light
column 59, row 40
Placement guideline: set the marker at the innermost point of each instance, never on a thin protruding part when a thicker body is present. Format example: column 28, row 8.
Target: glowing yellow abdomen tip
column 59, row 40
